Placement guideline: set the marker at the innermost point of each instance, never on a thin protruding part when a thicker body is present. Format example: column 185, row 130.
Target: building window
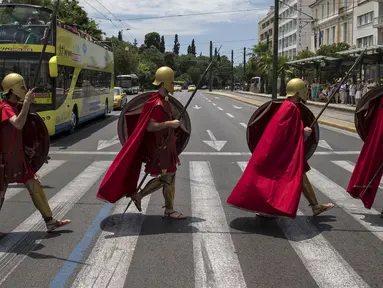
column 365, row 41
column 316, row 13
column 328, row 9
column 322, row 11
column 345, row 32
column 328, row 36
column 333, row 6
column 365, row 19
column 333, row 40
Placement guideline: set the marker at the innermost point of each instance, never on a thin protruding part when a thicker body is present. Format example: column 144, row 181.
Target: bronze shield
column 131, row 112
column 366, row 110
column 262, row 116
column 36, row 137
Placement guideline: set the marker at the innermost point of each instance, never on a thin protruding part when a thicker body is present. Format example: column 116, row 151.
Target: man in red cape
column 152, row 128
column 275, row 176
column 14, row 168
column 368, row 166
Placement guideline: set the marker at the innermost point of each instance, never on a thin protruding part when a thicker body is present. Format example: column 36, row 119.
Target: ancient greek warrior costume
column 275, row 176
column 368, row 171
column 14, row 168
column 141, row 147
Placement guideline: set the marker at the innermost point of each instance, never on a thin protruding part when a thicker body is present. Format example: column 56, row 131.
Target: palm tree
column 283, row 71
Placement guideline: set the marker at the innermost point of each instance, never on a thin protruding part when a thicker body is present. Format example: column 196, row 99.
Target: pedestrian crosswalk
column 104, row 256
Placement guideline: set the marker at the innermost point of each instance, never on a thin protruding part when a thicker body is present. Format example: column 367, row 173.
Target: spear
column 338, row 87
column 171, row 131
column 33, row 85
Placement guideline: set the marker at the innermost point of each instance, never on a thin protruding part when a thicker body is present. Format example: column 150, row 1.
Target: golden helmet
column 14, row 82
column 165, row 75
column 295, row 86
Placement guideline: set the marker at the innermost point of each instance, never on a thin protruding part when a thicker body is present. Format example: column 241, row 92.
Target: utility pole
column 244, row 63
column 211, row 66
column 232, row 70
column 275, row 51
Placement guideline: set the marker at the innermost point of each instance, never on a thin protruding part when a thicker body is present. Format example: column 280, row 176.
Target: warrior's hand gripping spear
column 171, row 132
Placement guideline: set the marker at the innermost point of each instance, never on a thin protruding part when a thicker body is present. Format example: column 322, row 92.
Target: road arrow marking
column 213, row 143
column 196, row 107
column 237, row 107
column 324, row 144
column 102, row 144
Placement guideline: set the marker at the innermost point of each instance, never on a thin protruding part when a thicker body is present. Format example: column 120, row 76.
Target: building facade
column 367, row 24
column 294, row 27
column 333, row 22
column 266, row 28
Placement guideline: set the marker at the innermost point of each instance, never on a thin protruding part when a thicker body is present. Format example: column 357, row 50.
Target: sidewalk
column 341, row 116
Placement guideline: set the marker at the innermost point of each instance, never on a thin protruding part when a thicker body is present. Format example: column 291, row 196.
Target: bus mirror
column 53, row 68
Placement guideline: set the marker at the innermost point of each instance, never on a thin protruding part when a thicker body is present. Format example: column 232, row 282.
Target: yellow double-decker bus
column 76, row 78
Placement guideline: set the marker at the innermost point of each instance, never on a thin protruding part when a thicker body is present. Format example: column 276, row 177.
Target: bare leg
column 41, row 203
column 309, row 194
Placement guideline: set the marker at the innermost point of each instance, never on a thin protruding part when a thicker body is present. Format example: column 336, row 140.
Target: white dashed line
column 243, row 124
column 219, row 108
column 214, row 104
column 228, row 114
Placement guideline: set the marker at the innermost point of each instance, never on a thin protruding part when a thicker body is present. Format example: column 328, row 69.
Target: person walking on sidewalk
column 352, row 89
column 359, row 89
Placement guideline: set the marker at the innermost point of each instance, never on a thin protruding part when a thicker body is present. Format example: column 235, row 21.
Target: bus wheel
column 73, row 121
column 106, row 110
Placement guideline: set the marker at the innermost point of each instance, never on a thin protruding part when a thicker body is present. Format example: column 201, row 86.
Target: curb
column 323, row 122
column 344, row 109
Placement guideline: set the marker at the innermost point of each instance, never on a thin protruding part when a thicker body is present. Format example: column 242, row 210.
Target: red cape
column 272, row 180
column 369, row 161
column 122, row 176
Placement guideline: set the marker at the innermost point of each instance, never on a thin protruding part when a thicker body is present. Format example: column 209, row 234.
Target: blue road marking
column 70, row 265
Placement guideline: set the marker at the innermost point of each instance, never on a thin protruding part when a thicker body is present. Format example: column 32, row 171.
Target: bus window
column 63, row 82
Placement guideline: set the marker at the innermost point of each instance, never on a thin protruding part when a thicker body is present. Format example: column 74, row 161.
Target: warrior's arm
column 19, row 120
column 157, row 126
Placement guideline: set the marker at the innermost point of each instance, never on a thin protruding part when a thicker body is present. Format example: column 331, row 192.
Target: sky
column 233, row 31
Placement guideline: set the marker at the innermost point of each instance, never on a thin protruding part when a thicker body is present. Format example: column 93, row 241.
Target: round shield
column 131, row 112
column 36, row 139
column 262, row 116
column 366, row 110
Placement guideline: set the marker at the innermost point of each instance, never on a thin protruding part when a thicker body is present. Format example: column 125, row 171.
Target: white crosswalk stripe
column 216, row 262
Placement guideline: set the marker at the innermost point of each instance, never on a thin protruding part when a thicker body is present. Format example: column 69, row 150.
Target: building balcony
column 378, row 22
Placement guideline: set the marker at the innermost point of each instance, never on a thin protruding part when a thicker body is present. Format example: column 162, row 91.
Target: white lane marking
column 228, row 114
column 324, row 144
column 354, row 207
column 345, row 132
column 219, row 108
column 102, row 144
column 324, row 263
column 243, row 124
column 186, row 153
column 114, row 248
column 217, row 145
column 17, row 244
column 214, row 104
column 45, row 170
column 346, row 165
column 236, row 107
column 215, row 260
column 197, row 107
column 209, row 101
column 217, row 97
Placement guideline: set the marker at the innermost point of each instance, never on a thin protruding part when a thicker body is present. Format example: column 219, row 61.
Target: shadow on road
column 128, row 225
column 272, row 227
column 83, row 131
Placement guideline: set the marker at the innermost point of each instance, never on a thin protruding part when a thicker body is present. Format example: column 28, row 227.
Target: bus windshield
column 24, row 25
column 124, row 83
column 27, row 68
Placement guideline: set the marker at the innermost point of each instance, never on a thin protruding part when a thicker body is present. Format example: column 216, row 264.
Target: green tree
column 162, row 44
column 193, row 48
column 152, row 39
column 176, row 47
column 330, row 50
column 119, row 36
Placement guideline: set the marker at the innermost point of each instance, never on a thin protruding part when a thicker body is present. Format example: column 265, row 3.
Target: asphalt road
column 217, row 246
